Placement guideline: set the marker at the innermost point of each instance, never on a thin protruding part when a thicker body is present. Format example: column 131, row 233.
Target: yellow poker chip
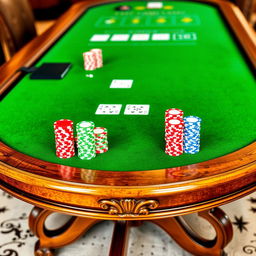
column 161, row 20
column 136, row 21
column 187, row 20
column 139, row 8
column 168, row 7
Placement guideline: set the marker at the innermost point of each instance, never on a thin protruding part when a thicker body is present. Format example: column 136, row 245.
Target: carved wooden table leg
column 194, row 243
column 51, row 239
column 120, row 238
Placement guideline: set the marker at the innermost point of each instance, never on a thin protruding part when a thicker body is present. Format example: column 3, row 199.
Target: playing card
column 161, row 37
column 155, row 5
column 140, row 37
column 109, row 109
column 120, row 37
column 121, row 83
column 136, row 110
column 100, row 38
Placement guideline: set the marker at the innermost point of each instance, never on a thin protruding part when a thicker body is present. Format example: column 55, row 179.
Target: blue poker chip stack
column 191, row 140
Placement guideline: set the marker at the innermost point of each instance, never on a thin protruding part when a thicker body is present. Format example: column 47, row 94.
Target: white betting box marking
column 121, row 83
column 155, row 5
column 120, row 37
column 140, row 37
column 100, row 38
column 161, row 37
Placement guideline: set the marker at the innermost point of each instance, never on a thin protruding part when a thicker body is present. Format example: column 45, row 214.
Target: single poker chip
column 86, row 140
column 64, row 138
column 174, row 137
column 101, row 139
column 123, row 8
column 174, row 113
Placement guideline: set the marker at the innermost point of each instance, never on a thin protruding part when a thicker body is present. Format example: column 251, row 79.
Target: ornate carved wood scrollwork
column 128, row 207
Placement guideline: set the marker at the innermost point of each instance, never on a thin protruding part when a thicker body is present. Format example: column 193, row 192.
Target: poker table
column 198, row 56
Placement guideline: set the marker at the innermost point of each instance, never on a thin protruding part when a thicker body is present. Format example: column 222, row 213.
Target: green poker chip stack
column 86, row 140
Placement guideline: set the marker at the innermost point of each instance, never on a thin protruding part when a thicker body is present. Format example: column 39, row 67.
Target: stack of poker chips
column 99, row 57
column 101, row 140
column 174, row 126
column 86, row 140
column 192, row 134
column 93, row 59
column 64, row 138
column 181, row 134
column 90, row 140
column 89, row 61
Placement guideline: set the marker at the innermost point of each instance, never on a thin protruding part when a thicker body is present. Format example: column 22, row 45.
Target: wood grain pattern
column 119, row 244
column 178, row 191
column 50, row 239
column 194, row 243
column 176, row 227
column 188, row 189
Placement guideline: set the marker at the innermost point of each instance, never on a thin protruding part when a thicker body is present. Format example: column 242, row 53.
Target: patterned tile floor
column 147, row 240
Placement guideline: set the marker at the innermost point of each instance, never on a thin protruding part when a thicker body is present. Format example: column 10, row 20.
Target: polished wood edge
column 86, row 200
column 29, row 170
column 104, row 215
column 30, row 54
column 243, row 31
column 219, row 176
column 37, row 47
column 239, row 25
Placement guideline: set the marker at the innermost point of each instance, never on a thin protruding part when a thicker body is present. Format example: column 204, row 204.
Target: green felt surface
column 208, row 77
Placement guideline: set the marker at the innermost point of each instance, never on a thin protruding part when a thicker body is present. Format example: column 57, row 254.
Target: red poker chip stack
column 174, row 126
column 99, row 57
column 90, row 61
column 101, row 140
column 64, row 138
column 174, row 137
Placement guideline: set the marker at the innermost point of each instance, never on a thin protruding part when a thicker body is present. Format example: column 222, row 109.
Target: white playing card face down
column 155, row 5
column 108, row 109
column 161, row 37
column 140, row 37
column 121, row 83
column 100, row 38
column 120, row 37
column 137, row 110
